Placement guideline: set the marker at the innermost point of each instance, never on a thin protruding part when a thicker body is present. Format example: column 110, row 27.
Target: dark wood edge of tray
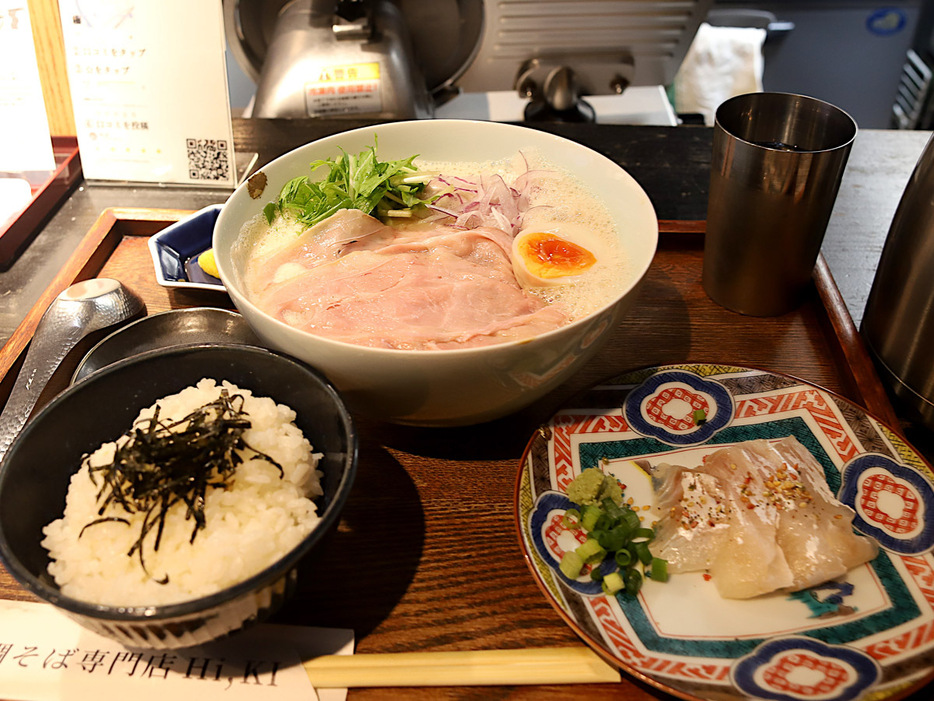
column 115, row 223
column 851, row 349
column 45, row 199
column 85, row 262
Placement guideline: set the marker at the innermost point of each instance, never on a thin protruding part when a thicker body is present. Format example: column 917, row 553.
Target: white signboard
column 25, row 144
column 149, row 86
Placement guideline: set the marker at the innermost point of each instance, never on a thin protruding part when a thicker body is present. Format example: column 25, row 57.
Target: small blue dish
column 176, row 248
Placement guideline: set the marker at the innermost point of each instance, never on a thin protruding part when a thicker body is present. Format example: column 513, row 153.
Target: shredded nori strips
column 161, row 464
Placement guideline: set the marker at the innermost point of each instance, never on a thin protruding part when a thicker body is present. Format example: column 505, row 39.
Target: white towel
column 721, row 62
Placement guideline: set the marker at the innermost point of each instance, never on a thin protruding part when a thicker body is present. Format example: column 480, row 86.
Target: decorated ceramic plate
column 869, row 634
column 175, row 251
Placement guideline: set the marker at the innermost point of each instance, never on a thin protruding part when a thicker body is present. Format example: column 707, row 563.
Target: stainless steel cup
column 777, row 164
column 898, row 322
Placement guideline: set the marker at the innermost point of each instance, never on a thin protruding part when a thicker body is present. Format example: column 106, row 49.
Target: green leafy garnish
column 362, row 181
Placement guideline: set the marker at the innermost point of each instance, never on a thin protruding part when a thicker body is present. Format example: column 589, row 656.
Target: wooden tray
column 426, row 557
column 116, row 246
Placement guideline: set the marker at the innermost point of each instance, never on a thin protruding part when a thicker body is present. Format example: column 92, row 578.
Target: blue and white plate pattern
column 869, row 635
column 176, row 248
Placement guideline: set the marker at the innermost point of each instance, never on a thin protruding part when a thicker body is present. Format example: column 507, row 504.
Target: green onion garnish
column 659, row 571
column 571, row 564
column 633, row 581
column 613, row 583
column 353, row 181
column 591, row 551
column 615, row 534
column 643, row 553
column 589, row 516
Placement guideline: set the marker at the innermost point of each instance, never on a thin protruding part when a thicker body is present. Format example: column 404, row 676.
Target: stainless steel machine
column 403, row 58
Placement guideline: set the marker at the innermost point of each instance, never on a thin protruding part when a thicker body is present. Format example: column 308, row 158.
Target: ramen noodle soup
column 502, row 251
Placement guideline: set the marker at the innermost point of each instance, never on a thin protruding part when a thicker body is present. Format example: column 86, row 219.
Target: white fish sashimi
column 759, row 517
column 686, row 499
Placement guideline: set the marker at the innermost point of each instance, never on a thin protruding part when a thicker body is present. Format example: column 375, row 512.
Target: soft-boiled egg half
column 555, row 253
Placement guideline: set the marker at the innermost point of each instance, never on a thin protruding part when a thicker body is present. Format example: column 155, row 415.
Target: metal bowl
column 35, row 474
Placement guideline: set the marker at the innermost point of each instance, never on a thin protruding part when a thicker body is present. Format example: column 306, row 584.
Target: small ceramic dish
column 176, row 248
column 176, row 327
column 39, row 465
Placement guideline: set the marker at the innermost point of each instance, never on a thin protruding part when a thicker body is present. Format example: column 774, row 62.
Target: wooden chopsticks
column 559, row 665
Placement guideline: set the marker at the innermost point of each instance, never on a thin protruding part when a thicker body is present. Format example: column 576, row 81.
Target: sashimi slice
column 694, row 517
column 759, row 517
column 818, row 541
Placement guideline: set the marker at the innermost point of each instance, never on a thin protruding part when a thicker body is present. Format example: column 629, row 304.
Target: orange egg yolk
column 549, row 256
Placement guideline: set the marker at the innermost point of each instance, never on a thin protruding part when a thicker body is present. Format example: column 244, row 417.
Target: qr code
column 208, row 159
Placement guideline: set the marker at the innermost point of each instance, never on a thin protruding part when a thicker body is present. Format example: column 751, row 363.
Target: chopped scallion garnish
column 615, row 535
column 589, row 516
column 613, row 583
column 659, row 570
column 591, row 551
column 571, row 519
column 571, row 564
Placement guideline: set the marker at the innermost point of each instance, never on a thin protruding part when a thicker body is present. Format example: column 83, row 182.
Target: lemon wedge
column 207, row 262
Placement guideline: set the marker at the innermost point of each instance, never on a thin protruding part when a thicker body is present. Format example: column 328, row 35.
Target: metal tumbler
column 898, row 322
column 776, row 168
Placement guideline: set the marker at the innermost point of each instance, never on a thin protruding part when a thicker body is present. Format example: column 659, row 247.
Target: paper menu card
column 45, row 656
column 149, row 88
column 25, row 143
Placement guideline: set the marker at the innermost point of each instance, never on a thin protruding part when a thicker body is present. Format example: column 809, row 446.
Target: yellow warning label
column 354, row 88
column 349, row 73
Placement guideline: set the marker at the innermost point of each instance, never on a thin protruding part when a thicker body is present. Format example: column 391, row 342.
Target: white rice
column 249, row 525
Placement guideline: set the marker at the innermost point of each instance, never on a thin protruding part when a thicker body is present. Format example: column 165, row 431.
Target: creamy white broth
column 557, row 199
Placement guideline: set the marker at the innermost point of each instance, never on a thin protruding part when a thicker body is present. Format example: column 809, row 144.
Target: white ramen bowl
column 459, row 386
